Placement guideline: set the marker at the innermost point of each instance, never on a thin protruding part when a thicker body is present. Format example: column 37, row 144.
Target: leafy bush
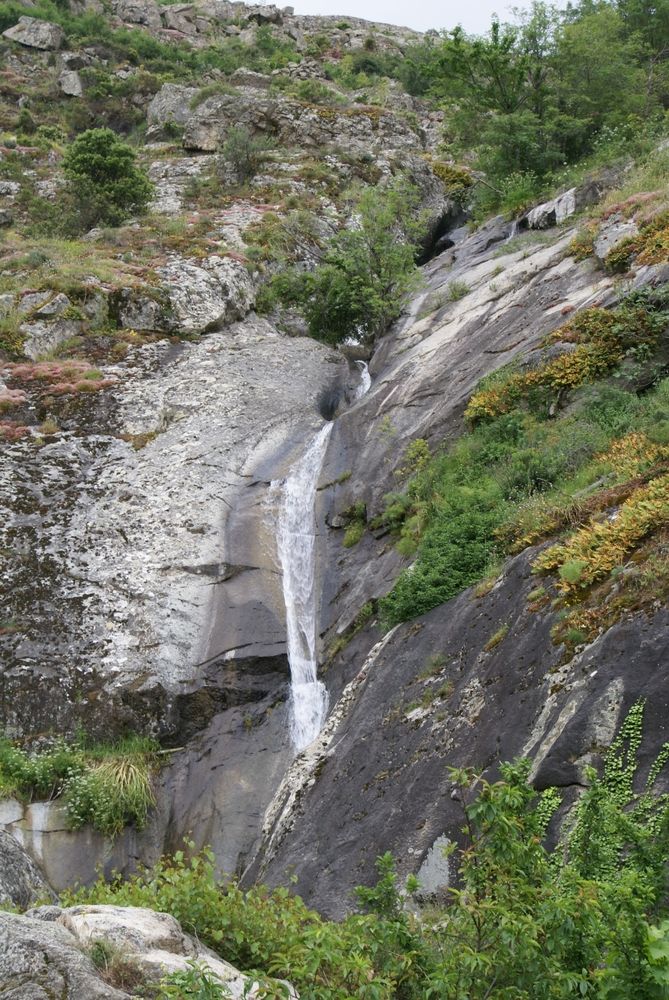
column 365, row 271
column 106, row 786
column 198, row 983
column 105, row 183
column 521, row 923
column 244, row 152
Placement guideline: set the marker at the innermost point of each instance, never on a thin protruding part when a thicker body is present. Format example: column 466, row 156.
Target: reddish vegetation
column 10, row 430
column 631, row 204
column 10, row 398
column 61, row 377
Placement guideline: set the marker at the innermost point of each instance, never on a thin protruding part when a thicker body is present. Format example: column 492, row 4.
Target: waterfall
column 365, row 380
column 513, row 231
column 296, row 546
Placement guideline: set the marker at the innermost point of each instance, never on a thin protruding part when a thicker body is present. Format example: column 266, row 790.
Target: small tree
column 245, row 152
column 365, row 272
column 105, row 183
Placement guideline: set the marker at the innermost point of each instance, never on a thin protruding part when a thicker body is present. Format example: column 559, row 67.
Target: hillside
column 334, row 436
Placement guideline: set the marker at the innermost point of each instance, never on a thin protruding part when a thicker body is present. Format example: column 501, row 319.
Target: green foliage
column 106, row 786
column 356, row 521
column 544, row 91
column 196, row 983
column 457, row 290
column 522, row 923
column 245, row 152
column 513, row 480
column 365, row 271
column 105, row 182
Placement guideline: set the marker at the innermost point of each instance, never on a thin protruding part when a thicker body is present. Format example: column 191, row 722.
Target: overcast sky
column 473, row 15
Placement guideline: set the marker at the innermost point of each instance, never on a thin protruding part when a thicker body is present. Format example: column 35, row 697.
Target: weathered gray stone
column 243, row 77
column 36, row 34
column 40, row 960
column 69, row 856
column 143, row 12
column 43, row 336
column 21, row 882
column 611, row 234
column 171, row 104
column 70, row 83
column 6, row 217
column 155, row 940
column 180, row 17
column 192, row 298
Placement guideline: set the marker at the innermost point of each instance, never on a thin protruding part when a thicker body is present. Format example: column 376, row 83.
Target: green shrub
column 106, row 786
column 197, row 982
column 105, row 182
column 457, row 290
column 536, row 924
column 365, row 272
column 244, row 152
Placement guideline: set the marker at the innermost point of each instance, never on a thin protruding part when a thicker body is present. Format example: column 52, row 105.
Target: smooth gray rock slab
column 70, row 83
column 611, row 234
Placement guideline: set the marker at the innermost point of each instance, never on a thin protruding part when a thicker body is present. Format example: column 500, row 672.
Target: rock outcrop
column 36, row 34
column 21, row 882
column 41, row 959
column 46, row 953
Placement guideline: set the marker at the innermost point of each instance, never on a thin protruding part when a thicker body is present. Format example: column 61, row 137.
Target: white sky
column 473, row 15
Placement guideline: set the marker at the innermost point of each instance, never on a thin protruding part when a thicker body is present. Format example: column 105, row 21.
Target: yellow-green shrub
column 603, row 544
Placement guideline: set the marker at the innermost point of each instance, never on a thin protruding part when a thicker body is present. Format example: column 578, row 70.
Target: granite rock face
column 40, row 960
column 36, row 34
column 44, row 954
column 382, row 779
column 377, row 777
column 21, row 882
column 191, row 298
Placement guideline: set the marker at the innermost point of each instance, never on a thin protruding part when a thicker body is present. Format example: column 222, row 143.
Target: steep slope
column 483, row 678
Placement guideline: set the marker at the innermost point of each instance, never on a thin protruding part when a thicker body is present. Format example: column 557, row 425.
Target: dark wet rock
column 381, row 781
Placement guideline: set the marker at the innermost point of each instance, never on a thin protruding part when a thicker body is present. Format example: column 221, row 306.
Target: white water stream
column 365, row 380
column 296, row 546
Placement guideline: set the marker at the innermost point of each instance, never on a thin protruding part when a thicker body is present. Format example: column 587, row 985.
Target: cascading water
column 365, row 380
column 296, row 546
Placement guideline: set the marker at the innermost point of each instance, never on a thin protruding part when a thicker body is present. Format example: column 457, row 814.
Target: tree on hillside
column 105, row 182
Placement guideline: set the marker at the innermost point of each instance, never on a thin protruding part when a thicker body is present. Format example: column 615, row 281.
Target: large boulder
column 36, row 34
column 143, row 12
column 192, row 298
column 21, row 881
column 40, row 960
column 154, row 940
column 171, row 104
column 70, row 83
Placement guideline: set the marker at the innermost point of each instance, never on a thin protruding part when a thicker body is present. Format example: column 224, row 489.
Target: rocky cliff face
column 481, row 679
column 147, row 410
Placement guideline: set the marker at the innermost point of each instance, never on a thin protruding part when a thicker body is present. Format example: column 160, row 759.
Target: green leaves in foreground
column 522, row 923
